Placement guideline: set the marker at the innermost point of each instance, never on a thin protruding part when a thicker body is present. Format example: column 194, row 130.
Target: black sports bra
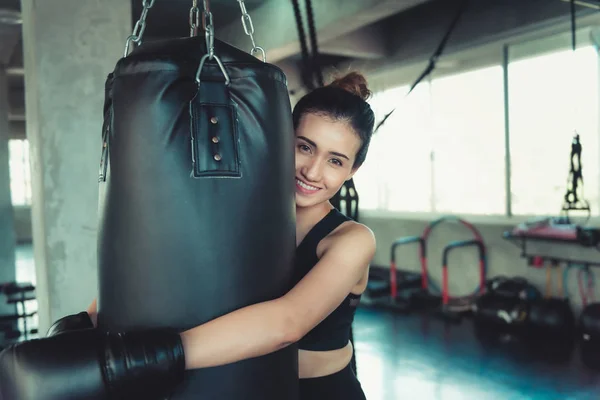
column 334, row 331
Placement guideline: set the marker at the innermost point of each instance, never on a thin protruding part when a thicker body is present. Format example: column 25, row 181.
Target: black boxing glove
column 94, row 365
column 75, row 322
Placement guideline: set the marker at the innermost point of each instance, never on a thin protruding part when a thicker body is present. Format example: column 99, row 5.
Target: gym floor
column 419, row 357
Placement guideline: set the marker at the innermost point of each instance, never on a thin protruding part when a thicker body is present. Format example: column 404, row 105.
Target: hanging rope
column 433, row 59
column 306, row 67
column 315, row 64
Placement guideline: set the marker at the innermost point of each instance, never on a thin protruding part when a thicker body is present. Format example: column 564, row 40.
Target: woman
column 333, row 127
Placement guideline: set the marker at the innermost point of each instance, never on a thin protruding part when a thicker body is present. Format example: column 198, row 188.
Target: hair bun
column 354, row 83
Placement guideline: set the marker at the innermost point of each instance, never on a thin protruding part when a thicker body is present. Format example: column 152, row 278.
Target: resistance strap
column 433, row 59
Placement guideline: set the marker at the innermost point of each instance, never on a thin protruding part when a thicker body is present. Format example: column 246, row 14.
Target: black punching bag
column 197, row 214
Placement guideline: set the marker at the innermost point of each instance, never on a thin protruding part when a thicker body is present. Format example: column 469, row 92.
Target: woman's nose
column 313, row 170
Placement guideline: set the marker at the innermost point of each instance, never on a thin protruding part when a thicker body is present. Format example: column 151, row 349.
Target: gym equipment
column 74, row 322
column 433, row 59
column 500, row 315
column 572, row 200
column 197, row 155
column 406, row 291
column 589, row 320
column 95, row 365
column 551, row 322
column 553, row 238
column 455, row 307
column 18, row 325
column 589, row 337
column 395, row 290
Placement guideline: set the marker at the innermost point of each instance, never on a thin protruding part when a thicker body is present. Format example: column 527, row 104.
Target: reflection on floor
column 413, row 357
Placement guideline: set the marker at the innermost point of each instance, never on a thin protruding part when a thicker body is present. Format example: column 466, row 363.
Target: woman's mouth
column 305, row 188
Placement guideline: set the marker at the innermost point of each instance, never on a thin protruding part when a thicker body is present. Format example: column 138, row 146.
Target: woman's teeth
column 305, row 186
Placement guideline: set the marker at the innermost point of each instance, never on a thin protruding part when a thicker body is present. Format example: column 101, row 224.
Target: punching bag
column 197, row 213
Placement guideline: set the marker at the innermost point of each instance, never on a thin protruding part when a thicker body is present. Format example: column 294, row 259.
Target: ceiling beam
column 17, row 130
column 16, row 116
column 365, row 43
column 275, row 23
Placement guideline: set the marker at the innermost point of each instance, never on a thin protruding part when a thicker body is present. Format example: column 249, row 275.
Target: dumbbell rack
column 17, row 294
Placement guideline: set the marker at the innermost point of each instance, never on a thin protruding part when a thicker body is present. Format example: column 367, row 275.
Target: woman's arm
column 266, row 327
column 92, row 311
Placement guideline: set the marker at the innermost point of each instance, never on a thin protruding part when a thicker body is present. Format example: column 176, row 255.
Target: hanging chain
column 209, row 36
column 209, row 29
column 249, row 29
column 140, row 26
column 194, row 18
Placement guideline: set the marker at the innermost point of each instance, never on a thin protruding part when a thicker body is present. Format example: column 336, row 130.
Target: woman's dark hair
column 344, row 99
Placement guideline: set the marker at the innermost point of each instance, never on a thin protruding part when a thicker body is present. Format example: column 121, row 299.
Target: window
column 468, row 142
column 444, row 148
column 20, row 176
column 397, row 173
column 550, row 97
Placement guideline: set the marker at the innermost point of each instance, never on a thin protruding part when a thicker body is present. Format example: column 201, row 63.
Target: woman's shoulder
column 351, row 235
column 357, row 233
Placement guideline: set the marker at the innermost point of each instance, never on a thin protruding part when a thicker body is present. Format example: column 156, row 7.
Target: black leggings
column 342, row 385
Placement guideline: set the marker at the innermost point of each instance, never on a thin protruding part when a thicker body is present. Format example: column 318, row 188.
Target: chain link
column 209, row 35
column 194, row 18
column 140, row 26
column 209, row 29
column 249, row 29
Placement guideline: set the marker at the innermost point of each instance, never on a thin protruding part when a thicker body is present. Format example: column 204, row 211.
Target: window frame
column 555, row 37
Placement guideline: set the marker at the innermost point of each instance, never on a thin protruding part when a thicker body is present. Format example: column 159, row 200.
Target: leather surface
column 89, row 364
column 69, row 323
column 177, row 250
column 62, row 367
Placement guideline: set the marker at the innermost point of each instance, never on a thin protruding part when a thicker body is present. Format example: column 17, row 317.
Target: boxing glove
column 70, row 323
column 94, row 365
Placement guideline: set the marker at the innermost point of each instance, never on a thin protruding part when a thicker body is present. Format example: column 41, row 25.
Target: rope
column 433, row 59
column 316, row 67
column 306, row 74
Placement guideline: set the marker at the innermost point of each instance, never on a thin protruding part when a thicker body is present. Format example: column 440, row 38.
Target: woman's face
column 325, row 153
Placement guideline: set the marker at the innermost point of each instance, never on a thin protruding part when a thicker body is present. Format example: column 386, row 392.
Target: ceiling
column 170, row 18
column 364, row 34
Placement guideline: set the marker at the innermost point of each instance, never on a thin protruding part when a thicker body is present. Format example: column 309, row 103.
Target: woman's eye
column 336, row 161
column 304, row 147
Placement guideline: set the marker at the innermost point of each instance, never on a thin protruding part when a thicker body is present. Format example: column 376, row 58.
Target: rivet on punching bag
column 197, row 213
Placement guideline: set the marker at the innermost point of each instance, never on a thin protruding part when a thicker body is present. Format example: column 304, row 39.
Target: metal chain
column 140, row 26
column 209, row 29
column 194, row 18
column 209, row 35
column 249, row 29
